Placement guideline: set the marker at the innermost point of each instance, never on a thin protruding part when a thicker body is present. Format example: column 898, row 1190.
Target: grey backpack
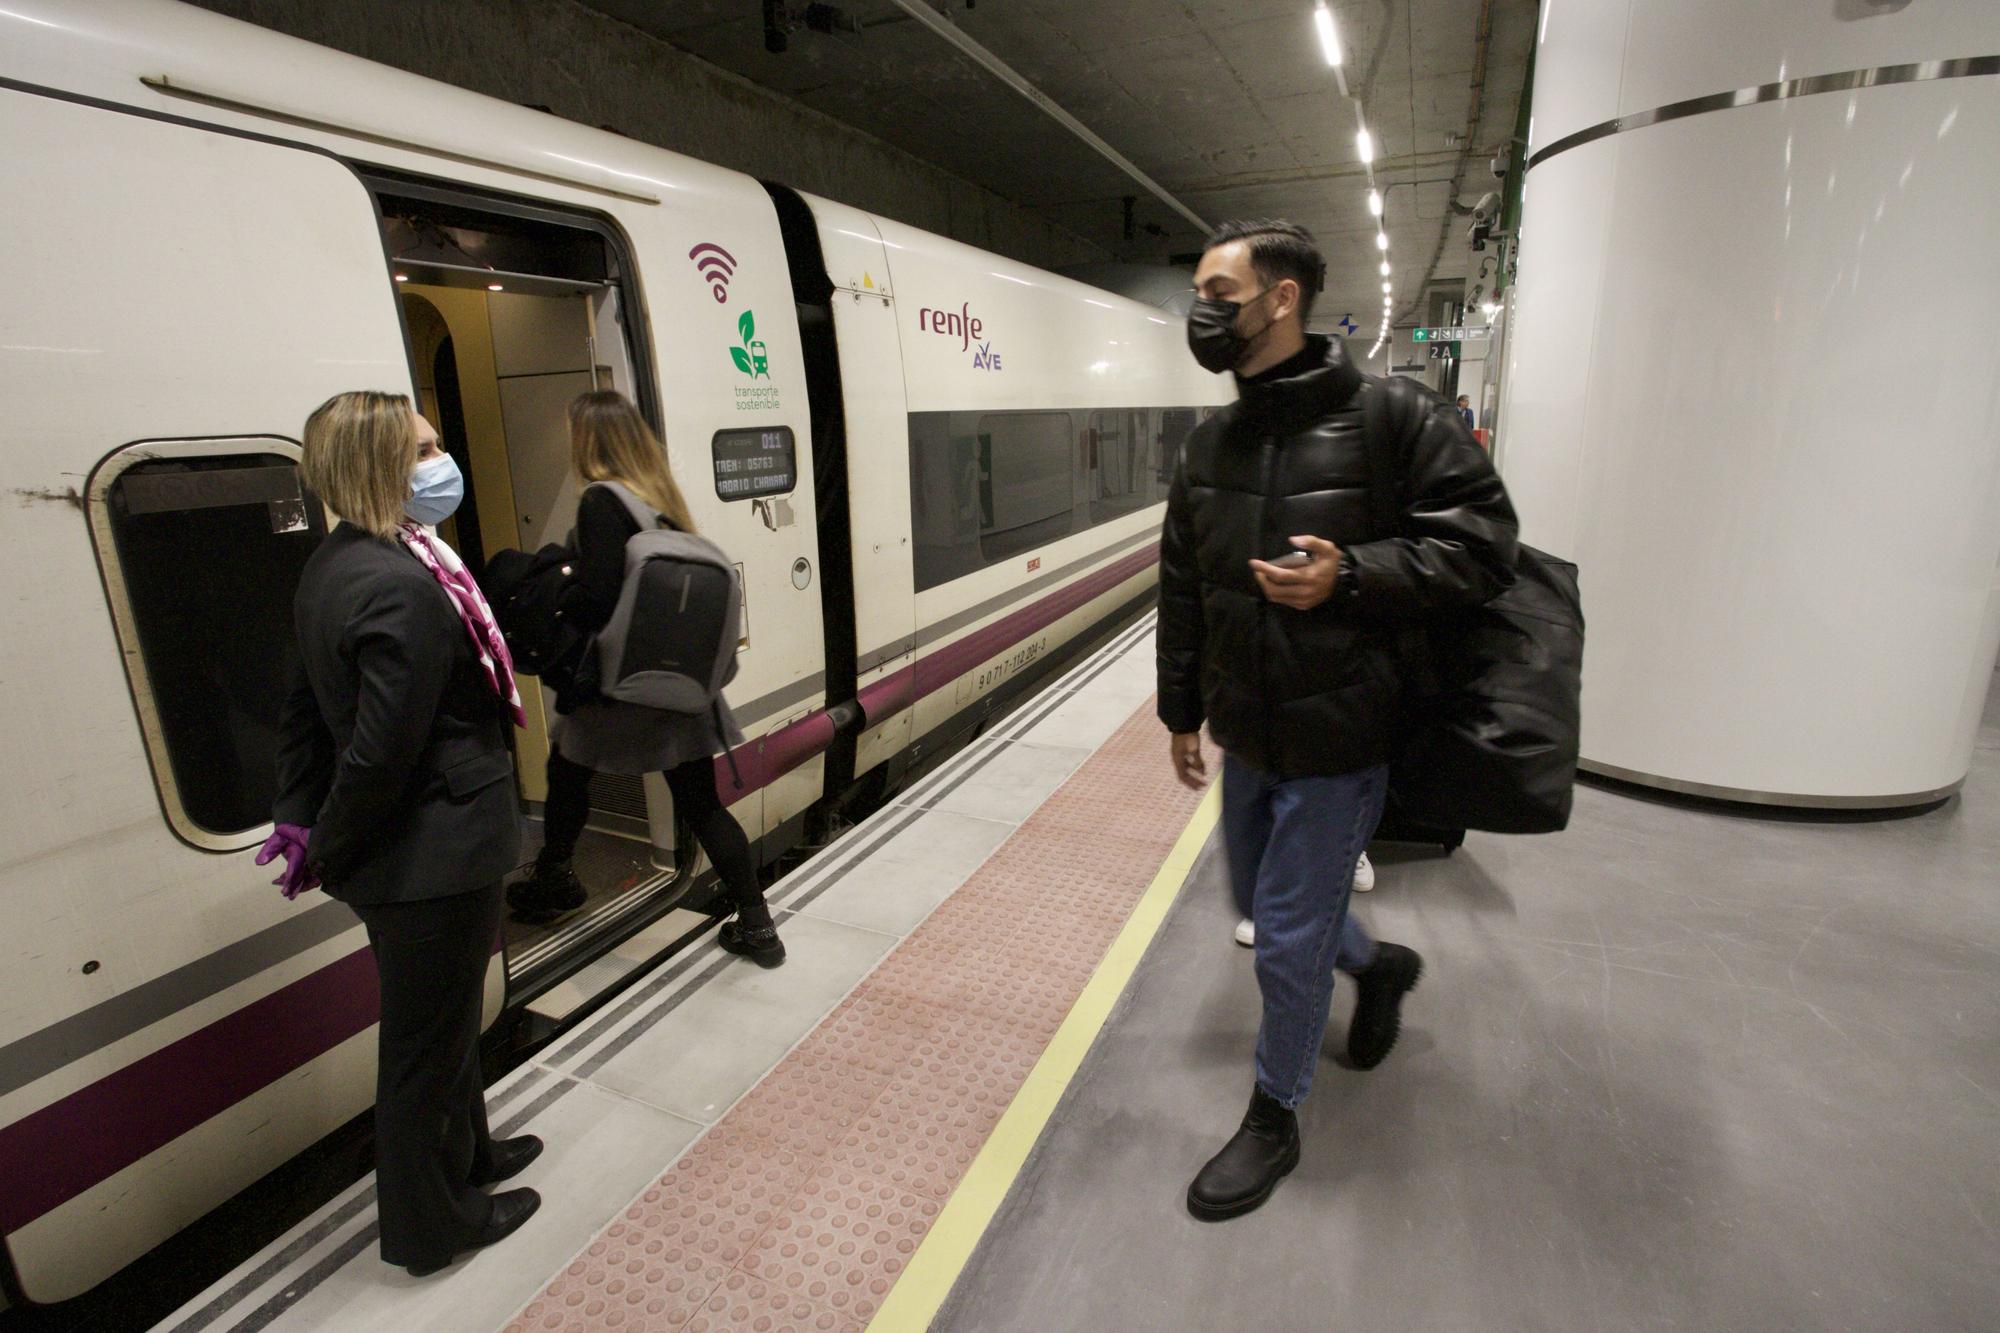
column 671, row 642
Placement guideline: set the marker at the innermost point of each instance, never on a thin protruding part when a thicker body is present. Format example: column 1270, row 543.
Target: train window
column 755, row 462
column 202, row 544
column 988, row 486
column 1176, row 424
column 1025, row 493
column 1122, row 446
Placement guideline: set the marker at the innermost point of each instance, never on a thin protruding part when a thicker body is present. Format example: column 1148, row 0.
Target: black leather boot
column 1249, row 1167
column 550, row 891
column 1378, row 1011
column 760, row 944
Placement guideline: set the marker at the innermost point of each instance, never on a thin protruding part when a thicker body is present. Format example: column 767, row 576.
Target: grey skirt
column 609, row 737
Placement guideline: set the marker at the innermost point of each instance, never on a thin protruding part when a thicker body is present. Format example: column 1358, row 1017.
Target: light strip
column 1329, row 40
column 1008, row 75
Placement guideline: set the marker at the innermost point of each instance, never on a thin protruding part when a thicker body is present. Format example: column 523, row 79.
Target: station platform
column 718, row 1125
column 1677, row 1067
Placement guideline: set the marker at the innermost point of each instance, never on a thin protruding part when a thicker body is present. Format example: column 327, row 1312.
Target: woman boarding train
column 612, row 450
column 393, row 791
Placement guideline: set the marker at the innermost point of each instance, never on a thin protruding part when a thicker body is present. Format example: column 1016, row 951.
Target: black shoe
column 760, row 944
column 1378, row 1013
column 546, row 894
column 510, row 1211
column 508, row 1158
column 1249, row 1167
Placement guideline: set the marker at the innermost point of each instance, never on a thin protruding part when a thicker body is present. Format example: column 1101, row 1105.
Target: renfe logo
column 964, row 325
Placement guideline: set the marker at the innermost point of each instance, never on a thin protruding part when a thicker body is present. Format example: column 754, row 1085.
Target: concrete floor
column 1673, row 1068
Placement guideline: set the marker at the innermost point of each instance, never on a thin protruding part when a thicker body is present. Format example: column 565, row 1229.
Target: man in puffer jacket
column 1286, row 618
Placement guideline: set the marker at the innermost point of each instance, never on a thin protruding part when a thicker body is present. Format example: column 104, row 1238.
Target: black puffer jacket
column 1303, row 693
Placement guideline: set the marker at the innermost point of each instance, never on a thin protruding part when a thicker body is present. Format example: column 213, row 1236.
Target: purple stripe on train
column 52, row 1155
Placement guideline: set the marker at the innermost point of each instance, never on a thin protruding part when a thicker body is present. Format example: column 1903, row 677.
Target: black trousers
column 567, row 809
column 430, row 1100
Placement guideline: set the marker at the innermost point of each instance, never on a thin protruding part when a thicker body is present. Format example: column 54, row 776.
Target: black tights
column 695, row 801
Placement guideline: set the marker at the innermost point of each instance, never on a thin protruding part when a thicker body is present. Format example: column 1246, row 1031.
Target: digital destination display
column 750, row 463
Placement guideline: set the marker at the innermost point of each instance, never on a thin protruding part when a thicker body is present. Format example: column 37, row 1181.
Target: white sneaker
column 1246, row 933
column 1364, row 874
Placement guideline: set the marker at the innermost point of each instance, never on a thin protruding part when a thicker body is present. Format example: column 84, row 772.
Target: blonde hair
column 610, row 441
column 359, row 449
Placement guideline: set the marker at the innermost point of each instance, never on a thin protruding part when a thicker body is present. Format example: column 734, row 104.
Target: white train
column 938, row 468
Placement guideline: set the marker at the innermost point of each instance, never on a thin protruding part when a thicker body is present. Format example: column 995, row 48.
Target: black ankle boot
column 1249, row 1167
column 547, row 893
column 1378, row 1011
column 760, row 944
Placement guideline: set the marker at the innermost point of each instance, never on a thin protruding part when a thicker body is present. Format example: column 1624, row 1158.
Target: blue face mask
column 436, row 487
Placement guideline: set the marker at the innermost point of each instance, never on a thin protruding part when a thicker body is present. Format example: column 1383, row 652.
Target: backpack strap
column 1390, row 411
column 722, row 734
column 642, row 513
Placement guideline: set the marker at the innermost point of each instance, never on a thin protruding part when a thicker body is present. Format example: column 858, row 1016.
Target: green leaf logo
column 740, row 357
column 747, row 326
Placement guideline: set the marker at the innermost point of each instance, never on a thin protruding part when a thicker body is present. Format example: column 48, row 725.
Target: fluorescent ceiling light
column 1375, row 202
column 1329, row 40
column 1381, row 240
column 1386, row 289
column 1365, row 145
column 1385, row 268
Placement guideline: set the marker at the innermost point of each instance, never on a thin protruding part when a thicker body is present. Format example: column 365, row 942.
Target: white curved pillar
column 1753, row 385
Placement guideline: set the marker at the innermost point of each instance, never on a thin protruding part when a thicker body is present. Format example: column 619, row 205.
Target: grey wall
column 590, row 68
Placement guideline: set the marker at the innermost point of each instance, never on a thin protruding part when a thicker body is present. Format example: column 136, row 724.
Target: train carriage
column 939, row 469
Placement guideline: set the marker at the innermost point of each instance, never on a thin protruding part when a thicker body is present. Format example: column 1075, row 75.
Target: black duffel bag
column 1493, row 711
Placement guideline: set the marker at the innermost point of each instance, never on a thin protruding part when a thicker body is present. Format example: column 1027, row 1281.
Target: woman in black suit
column 394, row 793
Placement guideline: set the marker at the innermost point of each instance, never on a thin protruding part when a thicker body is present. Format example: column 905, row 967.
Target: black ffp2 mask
column 1212, row 335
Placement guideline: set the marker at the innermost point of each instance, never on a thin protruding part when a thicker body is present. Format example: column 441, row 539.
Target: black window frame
column 140, row 666
column 963, row 549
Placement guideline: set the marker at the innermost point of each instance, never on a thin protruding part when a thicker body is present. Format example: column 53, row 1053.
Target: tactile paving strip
column 802, row 1206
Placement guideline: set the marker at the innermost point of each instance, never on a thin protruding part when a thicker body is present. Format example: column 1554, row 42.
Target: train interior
column 510, row 315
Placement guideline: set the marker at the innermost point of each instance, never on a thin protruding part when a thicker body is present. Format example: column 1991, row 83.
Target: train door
column 177, row 300
column 513, row 310
column 863, row 308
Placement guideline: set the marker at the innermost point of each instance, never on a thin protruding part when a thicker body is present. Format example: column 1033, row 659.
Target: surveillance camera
column 1503, row 162
column 1486, row 210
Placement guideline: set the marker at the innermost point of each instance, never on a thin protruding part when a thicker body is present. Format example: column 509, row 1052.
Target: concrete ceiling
column 1229, row 105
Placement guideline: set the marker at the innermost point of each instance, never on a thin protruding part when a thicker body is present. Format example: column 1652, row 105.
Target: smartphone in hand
column 1293, row 558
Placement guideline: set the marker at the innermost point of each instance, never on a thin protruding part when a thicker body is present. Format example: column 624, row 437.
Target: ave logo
column 962, row 325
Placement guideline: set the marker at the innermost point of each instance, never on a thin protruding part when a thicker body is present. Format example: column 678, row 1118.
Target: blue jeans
column 1292, row 847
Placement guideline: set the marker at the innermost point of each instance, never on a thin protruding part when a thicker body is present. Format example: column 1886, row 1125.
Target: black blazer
column 392, row 745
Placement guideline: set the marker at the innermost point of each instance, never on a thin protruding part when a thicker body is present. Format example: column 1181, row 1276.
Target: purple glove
column 289, row 841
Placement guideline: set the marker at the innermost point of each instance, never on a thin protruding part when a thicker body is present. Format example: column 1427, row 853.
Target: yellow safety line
column 913, row 1302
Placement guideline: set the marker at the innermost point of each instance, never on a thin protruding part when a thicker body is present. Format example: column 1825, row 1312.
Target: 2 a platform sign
column 1469, row 333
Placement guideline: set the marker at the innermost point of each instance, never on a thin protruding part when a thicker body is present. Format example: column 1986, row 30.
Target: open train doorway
column 512, row 311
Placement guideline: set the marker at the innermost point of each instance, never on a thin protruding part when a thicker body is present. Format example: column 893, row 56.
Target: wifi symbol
column 717, row 265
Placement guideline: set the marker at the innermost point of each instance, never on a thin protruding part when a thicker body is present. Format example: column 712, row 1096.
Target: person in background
column 1283, row 605
column 1364, row 882
column 395, row 794
column 1465, row 410
column 610, row 441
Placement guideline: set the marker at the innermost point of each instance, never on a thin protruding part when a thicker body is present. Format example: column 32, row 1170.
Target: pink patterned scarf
column 449, row 571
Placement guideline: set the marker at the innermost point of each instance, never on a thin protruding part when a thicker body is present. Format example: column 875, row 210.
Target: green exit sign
column 1472, row 334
